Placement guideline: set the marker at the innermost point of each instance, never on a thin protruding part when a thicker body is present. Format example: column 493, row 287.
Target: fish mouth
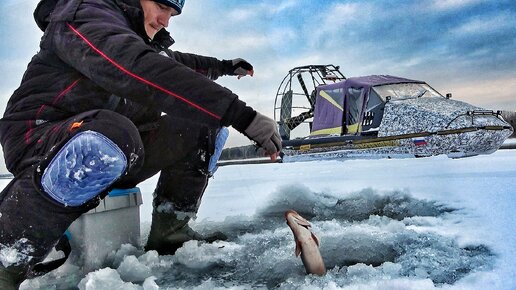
column 297, row 218
column 291, row 212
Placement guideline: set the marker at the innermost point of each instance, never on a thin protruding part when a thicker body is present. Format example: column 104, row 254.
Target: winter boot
column 30, row 226
column 168, row 233
column 10, row 279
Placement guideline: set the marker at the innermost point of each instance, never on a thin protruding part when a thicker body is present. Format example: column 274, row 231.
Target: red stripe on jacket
column 56, row 99
column 147, row 82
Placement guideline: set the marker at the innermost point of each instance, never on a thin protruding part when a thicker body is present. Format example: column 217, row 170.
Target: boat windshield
column 405, row 91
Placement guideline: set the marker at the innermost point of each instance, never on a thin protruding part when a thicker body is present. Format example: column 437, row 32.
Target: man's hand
column 264, row 132
column 239, row 67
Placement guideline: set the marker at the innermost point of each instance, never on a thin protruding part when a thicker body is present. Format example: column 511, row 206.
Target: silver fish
column 307, row 244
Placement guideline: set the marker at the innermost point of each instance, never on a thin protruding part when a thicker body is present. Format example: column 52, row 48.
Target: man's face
column 156, row 16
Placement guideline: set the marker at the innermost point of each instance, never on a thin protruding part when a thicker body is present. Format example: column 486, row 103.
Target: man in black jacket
column 105, row 104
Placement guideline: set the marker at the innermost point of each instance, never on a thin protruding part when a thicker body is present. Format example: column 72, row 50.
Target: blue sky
column 467, row 47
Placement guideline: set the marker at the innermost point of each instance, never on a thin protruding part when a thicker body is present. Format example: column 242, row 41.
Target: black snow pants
column 31, row 222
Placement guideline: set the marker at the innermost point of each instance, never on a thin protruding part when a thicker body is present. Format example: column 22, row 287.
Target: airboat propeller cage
column 287, row 94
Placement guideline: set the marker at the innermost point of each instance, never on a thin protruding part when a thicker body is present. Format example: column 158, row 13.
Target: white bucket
column 104, row 229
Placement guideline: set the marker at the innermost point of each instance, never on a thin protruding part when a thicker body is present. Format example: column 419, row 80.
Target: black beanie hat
column 176, row 4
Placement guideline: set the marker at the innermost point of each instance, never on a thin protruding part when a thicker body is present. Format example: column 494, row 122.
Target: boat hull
column 456, row 143
column 419, row 127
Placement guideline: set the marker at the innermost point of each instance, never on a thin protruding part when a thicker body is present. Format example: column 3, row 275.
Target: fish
column 307, row 243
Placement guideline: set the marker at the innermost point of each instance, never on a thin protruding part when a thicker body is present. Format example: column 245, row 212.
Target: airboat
column 323, row 115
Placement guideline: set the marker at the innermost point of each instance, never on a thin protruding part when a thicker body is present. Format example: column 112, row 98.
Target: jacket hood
column 43, row 11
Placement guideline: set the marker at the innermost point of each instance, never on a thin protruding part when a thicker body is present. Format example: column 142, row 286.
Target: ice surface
column 384, row 224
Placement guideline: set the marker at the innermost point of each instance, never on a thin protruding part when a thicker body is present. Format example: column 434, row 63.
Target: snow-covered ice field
column 384, row 224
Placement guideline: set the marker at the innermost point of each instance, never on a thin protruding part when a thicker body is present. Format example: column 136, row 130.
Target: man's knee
column 194, row 145
column 83, row 168
column 220, row 142
column 116, row 128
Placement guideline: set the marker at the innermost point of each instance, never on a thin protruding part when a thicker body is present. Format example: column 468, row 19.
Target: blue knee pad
column 86, row 165
column 220, row 141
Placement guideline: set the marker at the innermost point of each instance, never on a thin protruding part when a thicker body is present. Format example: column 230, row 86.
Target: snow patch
column 106, row 278
column 19, row 253
column 197, row 255
column 165, row 207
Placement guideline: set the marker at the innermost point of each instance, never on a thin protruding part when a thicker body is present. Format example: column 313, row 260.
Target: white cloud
column 340, row 14
column 453, row 4
column 488, row 93
column 242, row 14
column 331, row 25
column 19, row 31
column 283, row 5
column 240, row 31
column 486, row 24
column 260, row 10
column 26, row 3
column 251, row 42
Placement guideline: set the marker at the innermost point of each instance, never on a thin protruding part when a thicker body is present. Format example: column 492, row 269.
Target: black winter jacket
column 95, row 54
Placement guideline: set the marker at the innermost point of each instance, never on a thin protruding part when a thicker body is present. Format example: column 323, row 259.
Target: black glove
column 264, row 132
column 255, row 126
column 238, row 67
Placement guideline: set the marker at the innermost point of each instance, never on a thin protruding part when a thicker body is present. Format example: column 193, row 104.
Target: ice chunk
column 149, row 258
column 199, row 256
column 115, row 258
column 133, row 271
column 105, row 279
column 150, row 284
